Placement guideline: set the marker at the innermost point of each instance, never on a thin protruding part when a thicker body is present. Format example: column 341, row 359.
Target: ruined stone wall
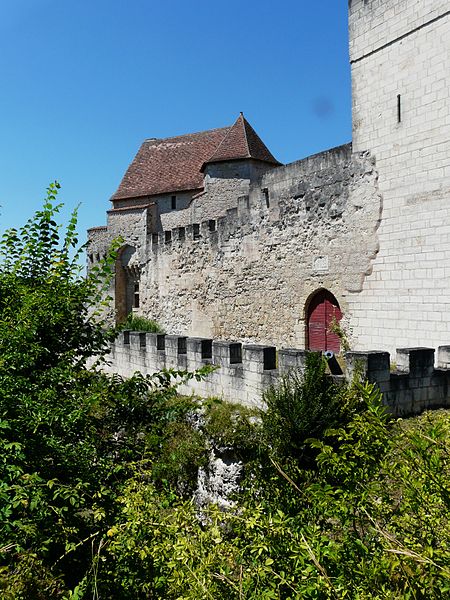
column 309, row 225
column 400, row 53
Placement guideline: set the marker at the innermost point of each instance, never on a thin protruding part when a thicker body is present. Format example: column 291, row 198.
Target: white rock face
column 218, row 481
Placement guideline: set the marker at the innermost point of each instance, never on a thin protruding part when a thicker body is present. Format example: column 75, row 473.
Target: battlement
column 245, row 371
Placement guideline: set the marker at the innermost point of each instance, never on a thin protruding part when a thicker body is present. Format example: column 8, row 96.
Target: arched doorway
column 321, row 311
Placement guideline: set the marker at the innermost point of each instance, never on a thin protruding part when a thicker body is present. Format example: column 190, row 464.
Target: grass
column 137, row 323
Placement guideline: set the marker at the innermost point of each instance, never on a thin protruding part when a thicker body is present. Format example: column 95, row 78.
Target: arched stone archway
column 322, row 309
column 126, row 287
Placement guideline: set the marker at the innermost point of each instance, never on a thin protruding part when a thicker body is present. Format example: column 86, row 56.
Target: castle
column 223, row 242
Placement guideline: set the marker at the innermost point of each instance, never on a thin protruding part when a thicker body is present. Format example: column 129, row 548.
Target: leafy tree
column 69, row 435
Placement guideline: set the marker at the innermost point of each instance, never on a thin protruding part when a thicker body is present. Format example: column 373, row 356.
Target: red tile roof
column 169, row 165
column 242, row 142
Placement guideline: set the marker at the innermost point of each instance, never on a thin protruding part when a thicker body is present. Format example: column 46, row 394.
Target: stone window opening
column 235, row 354
column 173, row 203
column 136, row 299
column 212, row 225
column 181, row 233
column 182, row 345
column 270, row 358
column 161, row 342
column 265, row 192
column 167, row 237
column 196, row 231
column 399, row 108
column 206, row 349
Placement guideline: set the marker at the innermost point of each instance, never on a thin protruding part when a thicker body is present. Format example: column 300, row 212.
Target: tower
column 400, row 61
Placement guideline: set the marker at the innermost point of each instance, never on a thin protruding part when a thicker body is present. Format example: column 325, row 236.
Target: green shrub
column 301, row 406
column 234, row 426
column 138, row 323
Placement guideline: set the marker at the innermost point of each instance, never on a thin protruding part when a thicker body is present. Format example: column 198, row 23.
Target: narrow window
column 265, row 192
column 235, row 354
column 399, row 108
column 167, row 237
column 206, row 349
column 196, row 231
column 181, row 233
column 270, row 358
column 212, row 225
column 161, row 342
column 174, row 202
column 182, row 346
column 136, row 295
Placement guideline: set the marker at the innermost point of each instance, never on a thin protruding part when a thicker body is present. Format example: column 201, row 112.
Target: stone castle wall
column 248, row 275
column 371, row 223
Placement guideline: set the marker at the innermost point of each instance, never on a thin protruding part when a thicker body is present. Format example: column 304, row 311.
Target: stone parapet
column 244, row 372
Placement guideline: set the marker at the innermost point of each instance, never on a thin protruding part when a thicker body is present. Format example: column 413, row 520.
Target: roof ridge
column 244, row 121
column 183, row 135
column 221, row 143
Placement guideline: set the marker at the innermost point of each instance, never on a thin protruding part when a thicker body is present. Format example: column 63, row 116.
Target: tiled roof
column 169, row 165
column 164, row 166
column 242, row 142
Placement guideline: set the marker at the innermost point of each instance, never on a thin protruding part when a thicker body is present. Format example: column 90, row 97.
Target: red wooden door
column 323, row 310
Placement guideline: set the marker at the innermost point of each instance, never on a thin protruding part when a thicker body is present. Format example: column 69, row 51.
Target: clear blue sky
column 84, row 82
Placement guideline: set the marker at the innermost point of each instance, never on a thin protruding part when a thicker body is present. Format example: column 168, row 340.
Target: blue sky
column 83, row 82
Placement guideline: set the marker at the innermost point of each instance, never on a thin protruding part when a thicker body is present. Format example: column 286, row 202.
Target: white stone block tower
column 400, row 59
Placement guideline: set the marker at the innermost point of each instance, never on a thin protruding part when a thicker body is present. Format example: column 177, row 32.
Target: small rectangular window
column 161, row 342
column 196, row 231
column 212, row 225
column 173, row 202
column 399, row 108
column 167, row 237
column 206, row 349
column 182, row 346
column 235, row 354
column 265, row 192
column 270, row 358
column 136, row 295
column 181, row 233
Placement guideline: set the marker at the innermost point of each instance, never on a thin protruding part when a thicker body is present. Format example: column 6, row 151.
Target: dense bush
column 97, row 472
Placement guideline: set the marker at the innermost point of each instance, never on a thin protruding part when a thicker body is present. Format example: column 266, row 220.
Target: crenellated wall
column 368, row 222
column 245, row 371
column 248, row 275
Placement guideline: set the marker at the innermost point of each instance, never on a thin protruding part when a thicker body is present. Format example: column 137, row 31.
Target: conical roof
column 241, row 142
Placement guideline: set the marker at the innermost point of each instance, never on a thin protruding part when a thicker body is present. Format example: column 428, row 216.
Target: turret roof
column 242, row 142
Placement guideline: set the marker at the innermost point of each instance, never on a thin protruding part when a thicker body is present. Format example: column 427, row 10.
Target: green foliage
column 370, row 525
column 232, row 426
column 301, row 406
column 68, row 436
column 96, row 472
column 138, row 323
